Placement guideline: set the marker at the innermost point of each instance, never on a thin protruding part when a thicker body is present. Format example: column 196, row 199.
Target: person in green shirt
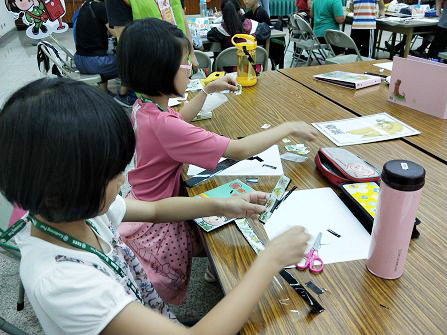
column 166, row 10
column 327, row 14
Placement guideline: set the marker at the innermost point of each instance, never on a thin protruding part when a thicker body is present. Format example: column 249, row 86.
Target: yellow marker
column 213, row 76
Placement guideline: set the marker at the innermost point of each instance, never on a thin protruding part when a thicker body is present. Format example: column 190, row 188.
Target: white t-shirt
column 75, row 292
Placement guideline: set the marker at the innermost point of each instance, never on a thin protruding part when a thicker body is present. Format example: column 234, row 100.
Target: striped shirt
column 364, row 14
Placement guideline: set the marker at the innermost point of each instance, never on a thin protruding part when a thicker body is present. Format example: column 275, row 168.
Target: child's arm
column 230, row 314
column 183, row 208
column 256, row 143
column 195, row 105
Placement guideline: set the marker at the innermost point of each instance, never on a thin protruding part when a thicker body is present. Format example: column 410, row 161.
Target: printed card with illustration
column 365, row 129
column 228, row 190
column 366, row 194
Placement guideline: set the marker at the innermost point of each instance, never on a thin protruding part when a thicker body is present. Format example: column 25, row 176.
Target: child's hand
column 303, row 130
column 225, row 83
column 288, row 248
column 248, row 205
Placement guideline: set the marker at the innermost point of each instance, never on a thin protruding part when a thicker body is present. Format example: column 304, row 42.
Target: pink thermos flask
column 400, row 192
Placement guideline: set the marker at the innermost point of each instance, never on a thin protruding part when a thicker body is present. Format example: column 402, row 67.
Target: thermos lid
column 403, row 175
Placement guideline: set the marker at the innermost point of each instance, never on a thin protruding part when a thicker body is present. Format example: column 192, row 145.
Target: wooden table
column 407, row 28
column 372, row 100
column 356, row 302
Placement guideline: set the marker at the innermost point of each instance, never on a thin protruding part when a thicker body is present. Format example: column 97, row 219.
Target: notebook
column 348, row 79
column 419, row 84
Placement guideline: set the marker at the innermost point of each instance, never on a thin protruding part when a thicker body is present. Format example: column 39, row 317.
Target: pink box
column 419, row 84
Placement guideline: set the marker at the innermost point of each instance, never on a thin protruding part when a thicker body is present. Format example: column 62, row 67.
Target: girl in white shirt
column 64, row 146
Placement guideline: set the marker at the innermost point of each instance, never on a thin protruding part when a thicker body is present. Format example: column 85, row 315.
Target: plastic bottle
column 203, row 8
column 400, row 192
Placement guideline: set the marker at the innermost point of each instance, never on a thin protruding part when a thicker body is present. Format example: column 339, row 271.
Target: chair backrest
column 50, row 62
column 203, row 59
column 341, row 40
column 228, row 58
column 67, row 52
column 303, row 25
column 6, row 210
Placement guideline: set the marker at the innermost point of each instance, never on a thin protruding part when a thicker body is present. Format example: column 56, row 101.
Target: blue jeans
column 106, row 66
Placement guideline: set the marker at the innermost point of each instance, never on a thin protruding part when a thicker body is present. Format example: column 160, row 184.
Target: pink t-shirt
column 164, row 142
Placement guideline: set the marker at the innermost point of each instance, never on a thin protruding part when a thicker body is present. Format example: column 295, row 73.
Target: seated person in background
column 327, row 14
column 439, row 43
column 91, row 48
column 235, row 23
column 277, row 45
column 255, row 12
column 119, row 14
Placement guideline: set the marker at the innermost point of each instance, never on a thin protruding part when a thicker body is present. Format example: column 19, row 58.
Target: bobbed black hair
column 231, row 16
column 149, row 55
column 61, row 142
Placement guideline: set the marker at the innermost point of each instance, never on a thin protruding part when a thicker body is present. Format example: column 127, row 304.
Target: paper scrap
column 265, row 126
column 300, row 149
column 194, row 85
column 173, row 102
column 293, row 157
column 237, row 92
column 386, row 65
column 286, row 140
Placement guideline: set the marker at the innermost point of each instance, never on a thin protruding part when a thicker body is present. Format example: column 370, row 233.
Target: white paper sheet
column 386, row 66
column 318, row 210
column 213, row 101
column 251, row 167
column 365, row 129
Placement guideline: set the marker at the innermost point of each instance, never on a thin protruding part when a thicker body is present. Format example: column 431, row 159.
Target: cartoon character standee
column 42, row 16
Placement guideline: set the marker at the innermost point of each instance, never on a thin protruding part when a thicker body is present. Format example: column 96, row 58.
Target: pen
column 375, row 74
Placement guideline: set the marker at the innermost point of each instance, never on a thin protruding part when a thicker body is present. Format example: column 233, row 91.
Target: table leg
column 393, row 42
column 267, row 46
column 377, row 39
column 409, row 36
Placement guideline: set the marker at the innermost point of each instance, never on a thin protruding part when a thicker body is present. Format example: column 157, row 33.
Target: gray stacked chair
column 340, row 39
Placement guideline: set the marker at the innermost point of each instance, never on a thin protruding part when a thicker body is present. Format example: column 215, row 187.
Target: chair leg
column 9, row 328
column 309, row 59
column 21, row 300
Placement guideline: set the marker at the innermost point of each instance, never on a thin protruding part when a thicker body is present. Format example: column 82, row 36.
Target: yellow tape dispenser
column 213, row 76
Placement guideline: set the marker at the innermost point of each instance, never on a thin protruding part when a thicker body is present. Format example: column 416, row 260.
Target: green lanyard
column 61, row 236
column 146, row 100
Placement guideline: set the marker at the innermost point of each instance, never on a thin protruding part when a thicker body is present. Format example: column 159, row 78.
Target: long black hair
column 232, row 17
column 61, row 143
column 149, row 55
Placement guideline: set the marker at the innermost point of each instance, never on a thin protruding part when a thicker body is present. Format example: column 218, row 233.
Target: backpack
column 47, row 65
column 76, row 14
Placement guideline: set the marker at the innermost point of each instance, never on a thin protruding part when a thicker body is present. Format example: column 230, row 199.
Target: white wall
column 6, row 19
